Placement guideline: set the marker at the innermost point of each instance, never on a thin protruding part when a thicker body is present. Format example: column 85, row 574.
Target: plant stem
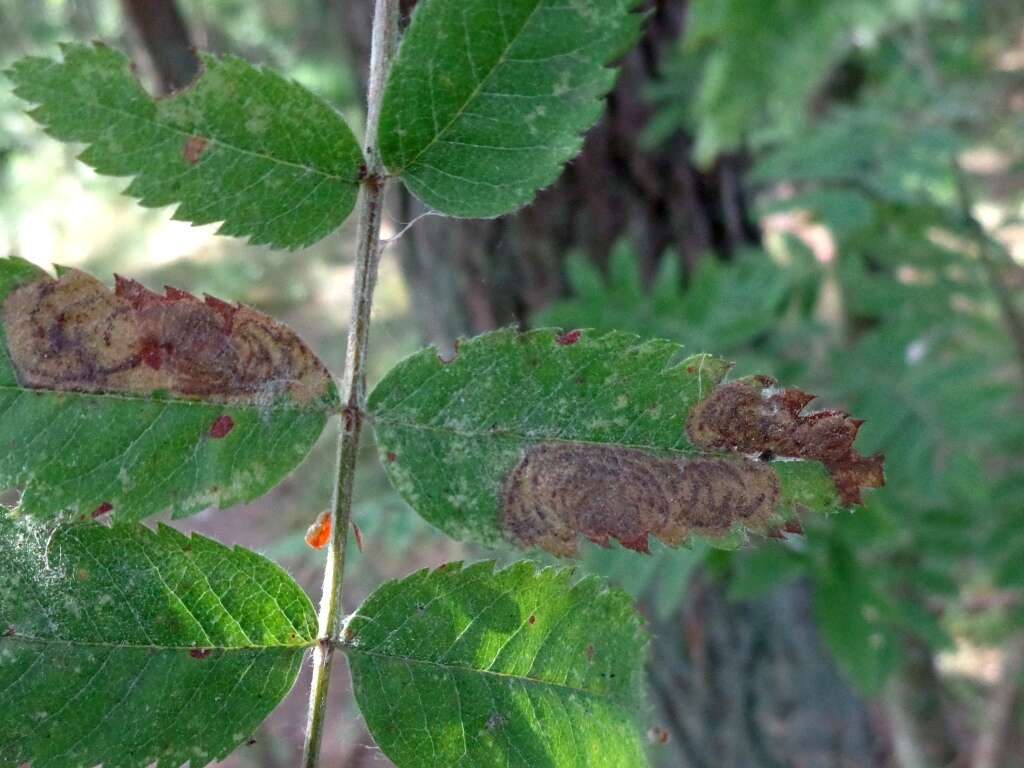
column 353, row 383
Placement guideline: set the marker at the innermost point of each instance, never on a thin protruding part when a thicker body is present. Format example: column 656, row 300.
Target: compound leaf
column 240, row 145
column 128, row 402
column 519, row 667
column 487, row 101
column 131, row 648
column 543, row 437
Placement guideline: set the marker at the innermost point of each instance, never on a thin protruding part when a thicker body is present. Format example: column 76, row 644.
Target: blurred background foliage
column 828, row 191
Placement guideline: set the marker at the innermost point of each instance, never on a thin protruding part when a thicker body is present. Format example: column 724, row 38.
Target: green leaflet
column 129, row 647
column 487, row 101
column 519, row 668
column 91, row 423
column 542, row 437
column 241, row 145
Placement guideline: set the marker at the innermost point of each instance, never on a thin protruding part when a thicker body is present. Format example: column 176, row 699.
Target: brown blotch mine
column 74, row 334
column 194, row 148
column 560, row 491
column 755, row 416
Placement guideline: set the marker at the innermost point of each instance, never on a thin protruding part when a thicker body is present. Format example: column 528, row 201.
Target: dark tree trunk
column 162, row 32
column 749, row 685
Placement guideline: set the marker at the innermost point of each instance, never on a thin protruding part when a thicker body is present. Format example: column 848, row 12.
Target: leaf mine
column 126, row 403
column 73, row 334
column 560, row 491
column 548, row 437
column 755, row 416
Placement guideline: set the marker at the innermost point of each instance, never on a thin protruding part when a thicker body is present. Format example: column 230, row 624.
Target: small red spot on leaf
column 199, row 653
column 533, row 618
column 569, row 338
column 591, row 653
column 319, row 533
column 222, row 427
column 194, row 148
column 391, row 456
column 102, row 509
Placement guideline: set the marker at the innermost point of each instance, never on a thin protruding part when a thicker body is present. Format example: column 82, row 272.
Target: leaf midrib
column 355, row 650
column 476, row 91
column 30, row 639
column 544, row 438
column 186, row 134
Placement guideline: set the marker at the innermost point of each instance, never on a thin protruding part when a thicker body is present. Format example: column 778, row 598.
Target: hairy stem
column 353, row 382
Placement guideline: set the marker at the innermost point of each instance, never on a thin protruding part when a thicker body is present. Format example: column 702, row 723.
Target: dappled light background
column 830, row 192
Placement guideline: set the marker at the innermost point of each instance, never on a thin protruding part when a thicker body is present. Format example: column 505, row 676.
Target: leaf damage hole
column 754, row 416
column 73, row 334
column 561, row 491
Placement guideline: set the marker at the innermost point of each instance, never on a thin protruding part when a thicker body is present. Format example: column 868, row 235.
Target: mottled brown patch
column 194, row 148
column 74, row 334
column 561, row 491
column 755, row 416
column 199, row 653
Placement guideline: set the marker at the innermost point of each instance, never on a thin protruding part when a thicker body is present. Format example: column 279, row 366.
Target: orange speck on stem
column 319, row 533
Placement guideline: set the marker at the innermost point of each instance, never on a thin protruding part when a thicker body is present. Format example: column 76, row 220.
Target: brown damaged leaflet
column 74, row 334
column 561, row 491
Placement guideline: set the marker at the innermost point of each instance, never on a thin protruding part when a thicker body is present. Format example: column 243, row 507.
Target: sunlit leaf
column 468, row 666
column 545, row 437
column 487, row 101
column 129, row 402
column 240, row 145
column 131, row 648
